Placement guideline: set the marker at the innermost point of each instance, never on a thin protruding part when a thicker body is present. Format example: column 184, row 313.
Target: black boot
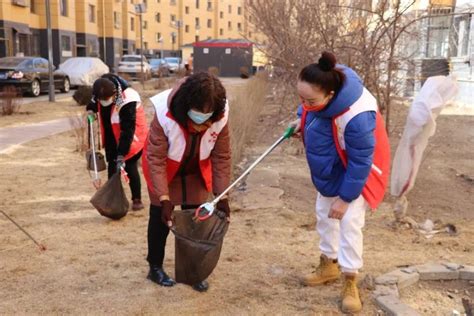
column 201, row 286
column 159, row 276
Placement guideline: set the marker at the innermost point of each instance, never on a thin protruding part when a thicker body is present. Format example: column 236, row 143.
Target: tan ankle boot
column 350, row 295
column 326, row 272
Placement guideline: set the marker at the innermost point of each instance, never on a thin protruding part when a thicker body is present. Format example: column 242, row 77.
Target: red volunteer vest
column 141, row 128
column 177, row 137
column 374, row 189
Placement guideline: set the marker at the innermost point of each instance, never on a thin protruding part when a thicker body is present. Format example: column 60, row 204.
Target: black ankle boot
column 159, row 276
column 201, row 286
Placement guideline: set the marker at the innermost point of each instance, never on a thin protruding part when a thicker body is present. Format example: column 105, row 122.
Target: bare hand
column 338, row 209
column 296, row 124
column 97, row 183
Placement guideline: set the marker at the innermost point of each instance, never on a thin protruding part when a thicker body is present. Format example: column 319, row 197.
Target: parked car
column 159, row 67
column 175, row 63
column 130, row 65
column 30, row 75
column 83, row 71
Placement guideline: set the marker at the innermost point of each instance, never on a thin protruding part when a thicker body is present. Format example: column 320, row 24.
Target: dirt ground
column 93, row 265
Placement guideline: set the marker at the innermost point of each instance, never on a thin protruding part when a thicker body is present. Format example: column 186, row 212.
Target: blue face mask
column 199, row 117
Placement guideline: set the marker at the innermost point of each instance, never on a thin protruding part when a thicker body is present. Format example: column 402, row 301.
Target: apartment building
column 111, row 28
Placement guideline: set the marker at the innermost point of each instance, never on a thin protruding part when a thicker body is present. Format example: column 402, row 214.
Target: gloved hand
column 223, row 205
column 91, row 116
column 120, row 161
column 166, row 211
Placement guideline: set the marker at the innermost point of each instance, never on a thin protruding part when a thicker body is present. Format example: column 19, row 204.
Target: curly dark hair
column 201, row 91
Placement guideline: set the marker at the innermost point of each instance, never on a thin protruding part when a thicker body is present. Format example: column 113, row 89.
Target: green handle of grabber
column 288, row 132
column 91, row 118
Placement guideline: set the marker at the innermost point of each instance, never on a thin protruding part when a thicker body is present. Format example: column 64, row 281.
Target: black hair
column 107, row 85
column 324, row 74
column 196, row 92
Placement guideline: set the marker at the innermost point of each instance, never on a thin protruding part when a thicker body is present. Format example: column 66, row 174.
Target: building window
column 158, row 17
column 239, row 10
column 209, row 5
column 186, row 28
column 172, row 2
column 197, row 4
column 197, row 22
column 230, row 9
column 91, row 13
column 173, row 17
column 186, row 10
column 221, row 15
column 32, row 6
column 65, row 43
column 145, row 45
column 250, row 34
column 63, row 7
column 145, row 25
column 209, row 23
column 132, row 24
column 158, row 1
column 158, row 37
column 239, row 27
column 229, row 25
column 116, row 20
column 196, row 38
column 173, row 38
column 221, row 32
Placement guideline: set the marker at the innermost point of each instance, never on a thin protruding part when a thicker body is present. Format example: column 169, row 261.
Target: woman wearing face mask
column 348, row 155
column 123, row 126
column 187, row 157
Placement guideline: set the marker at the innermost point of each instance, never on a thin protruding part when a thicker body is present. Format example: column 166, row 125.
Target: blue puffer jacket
column 328, row 173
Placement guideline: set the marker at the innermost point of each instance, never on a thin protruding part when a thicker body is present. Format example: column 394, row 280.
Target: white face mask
column 107, row 102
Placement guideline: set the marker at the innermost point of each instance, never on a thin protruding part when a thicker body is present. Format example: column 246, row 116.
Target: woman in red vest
column 348, row 154
column 123, row 126
column 186, row 158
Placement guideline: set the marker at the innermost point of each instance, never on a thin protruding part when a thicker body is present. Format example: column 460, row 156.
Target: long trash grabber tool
column 40, row 246
column 96, row 181
column 206, row 210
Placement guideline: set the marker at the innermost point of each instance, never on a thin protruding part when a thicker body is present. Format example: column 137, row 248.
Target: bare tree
column 365, row 37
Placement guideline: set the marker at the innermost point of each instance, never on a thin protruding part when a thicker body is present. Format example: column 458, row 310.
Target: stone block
column 436, row 271
column 403, row 278
column 384, row 290
column 467, row 273
column 394, row 307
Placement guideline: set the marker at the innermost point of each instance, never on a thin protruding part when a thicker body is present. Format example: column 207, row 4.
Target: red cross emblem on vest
column 213, row 137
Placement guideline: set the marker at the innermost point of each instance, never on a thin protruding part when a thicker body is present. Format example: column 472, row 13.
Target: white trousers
column 342, row 239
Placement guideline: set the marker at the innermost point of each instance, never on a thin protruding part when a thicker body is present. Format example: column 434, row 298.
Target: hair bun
column 327, row 61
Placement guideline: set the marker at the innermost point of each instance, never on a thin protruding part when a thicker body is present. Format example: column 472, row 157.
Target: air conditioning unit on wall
column 21, row 3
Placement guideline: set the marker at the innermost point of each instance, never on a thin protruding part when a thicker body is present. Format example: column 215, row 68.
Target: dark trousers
column 131, row 167
column 157, row 234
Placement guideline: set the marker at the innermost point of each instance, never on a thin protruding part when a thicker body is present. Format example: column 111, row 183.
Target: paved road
column 45, row 97
column 11, row 137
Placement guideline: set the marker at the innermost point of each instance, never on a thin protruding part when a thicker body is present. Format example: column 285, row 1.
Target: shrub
column 10, row 100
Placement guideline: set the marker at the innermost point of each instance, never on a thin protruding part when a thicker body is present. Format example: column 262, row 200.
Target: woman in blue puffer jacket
column 336, row 104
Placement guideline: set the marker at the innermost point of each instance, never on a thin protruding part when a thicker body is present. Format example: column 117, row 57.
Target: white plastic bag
column 420, row 126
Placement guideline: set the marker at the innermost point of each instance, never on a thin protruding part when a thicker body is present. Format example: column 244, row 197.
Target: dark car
column 159, row 67
column 30, row 75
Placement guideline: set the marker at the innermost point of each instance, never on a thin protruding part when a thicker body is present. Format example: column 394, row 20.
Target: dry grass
column 79, row 127
column 10, row 101
column 213, row 71
column 245, row 107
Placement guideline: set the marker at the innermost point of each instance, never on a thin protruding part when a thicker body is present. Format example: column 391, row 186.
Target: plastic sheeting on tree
column 420, row 126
